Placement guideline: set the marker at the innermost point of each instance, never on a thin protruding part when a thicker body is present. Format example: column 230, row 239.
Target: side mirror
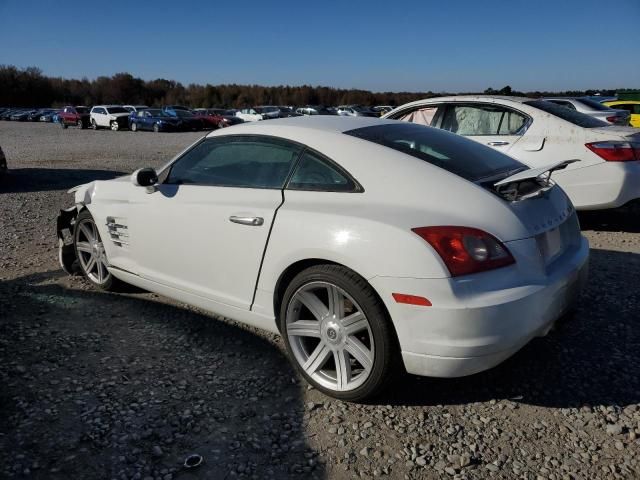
column 145, row 177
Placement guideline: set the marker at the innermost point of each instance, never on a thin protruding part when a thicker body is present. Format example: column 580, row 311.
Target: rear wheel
column 134, row 127
column 156, row 127
column 80, row 123
column 94, row 125
column 91, row 254
column 62, row 124
column 337, row 333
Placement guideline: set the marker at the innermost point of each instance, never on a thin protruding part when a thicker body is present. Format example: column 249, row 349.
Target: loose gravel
column 127, row 386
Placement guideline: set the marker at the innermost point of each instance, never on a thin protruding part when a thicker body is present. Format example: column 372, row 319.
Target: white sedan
column 537, row 133
column 370, row 245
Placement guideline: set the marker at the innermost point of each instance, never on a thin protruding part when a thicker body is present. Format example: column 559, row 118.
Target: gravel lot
column 97, row 385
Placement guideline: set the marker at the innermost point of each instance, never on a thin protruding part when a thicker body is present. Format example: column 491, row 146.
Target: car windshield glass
column 183, row 113
column 117, row 110
column 567, row 114
column 593, row 104
column 82, row 110
column 454, row 153
column 156, row 113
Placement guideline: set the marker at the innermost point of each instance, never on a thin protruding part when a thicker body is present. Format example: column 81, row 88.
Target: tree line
column 29, row 87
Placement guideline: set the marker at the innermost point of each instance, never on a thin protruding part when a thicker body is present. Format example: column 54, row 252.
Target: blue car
column 155, row 120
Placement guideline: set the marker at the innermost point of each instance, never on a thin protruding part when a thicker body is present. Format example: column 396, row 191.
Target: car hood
column 118, row 115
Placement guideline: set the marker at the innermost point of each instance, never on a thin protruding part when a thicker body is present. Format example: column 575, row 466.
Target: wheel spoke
column 304, row 328
column 314, row 304
column 100, row 271
column 343, row 369
column 88, row 233
column 83, row 247
column 90, row 264
column 317, row 359
column 355, row 323
column 362, row 354
column 336, row 303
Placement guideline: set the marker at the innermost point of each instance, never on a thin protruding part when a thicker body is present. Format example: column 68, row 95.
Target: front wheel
column 80, row 124
column 337, row 333
column 156, row 127
column 134, row 127
column 91, row 254
column 114, row 126
column 94, row 125
column 62, row 124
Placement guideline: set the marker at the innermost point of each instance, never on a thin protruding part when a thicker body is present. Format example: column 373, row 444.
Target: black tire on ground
column 62, row 124
column 109, row 282
column 94, row 125
column 80, row 123
column 134, row 127
column 387, row 360
column 156, row 127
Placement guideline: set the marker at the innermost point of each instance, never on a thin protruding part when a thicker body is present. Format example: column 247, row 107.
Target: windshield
column 463, row 157
column 117, row 110
column 594, row 105
column 157, row 113
column 183, row 114
column 82, row 110
column 577, row 118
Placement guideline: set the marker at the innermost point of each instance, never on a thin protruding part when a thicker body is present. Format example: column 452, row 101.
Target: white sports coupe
column 369, row 244
column 537, row 132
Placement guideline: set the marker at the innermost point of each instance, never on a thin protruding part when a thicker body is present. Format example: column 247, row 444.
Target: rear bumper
column 471, row 328
column 601, row 186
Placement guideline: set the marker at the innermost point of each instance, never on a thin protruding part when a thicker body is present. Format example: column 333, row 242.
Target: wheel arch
column 289, row 273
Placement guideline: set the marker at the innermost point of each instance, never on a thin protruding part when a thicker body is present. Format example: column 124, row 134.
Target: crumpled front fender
column 64, row 230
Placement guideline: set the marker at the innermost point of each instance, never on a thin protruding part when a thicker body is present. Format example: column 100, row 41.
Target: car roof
column 326, row 123
column 108, row 106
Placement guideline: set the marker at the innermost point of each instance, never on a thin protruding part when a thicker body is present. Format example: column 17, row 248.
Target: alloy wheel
column 91, row 253
column 115, row 126
column 330, row 336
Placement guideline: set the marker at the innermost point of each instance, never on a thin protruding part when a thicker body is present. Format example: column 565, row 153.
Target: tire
column 134, row 127
column 114, row 126
column 80, row 124
column 156, row 128
column 90, row 253
column 365, row 349
column 221, row 125
column 94, row 125
column 63, row 125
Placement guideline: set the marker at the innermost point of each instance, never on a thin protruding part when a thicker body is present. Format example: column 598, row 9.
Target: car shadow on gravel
column 625, row 219
column 590, row 359
column 45, row 179
column 99, row 385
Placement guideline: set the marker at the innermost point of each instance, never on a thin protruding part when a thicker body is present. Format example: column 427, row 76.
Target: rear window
column 593, row 104
column 572, row 116
column 454, row 153
column 82, row 110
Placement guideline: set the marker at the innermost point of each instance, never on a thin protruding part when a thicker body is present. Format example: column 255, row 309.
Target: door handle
column 498, row 143
column 251, row 221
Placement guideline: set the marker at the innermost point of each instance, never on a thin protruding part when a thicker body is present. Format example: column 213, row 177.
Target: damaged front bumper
column 64, row 229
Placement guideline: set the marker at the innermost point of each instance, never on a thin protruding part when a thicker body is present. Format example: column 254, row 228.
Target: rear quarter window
column 571, row 116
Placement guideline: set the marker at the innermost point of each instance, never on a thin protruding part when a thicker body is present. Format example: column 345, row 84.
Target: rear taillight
column 466, row 250
column 615, row 151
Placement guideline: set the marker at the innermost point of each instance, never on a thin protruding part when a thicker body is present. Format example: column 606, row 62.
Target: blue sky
column 445, row 45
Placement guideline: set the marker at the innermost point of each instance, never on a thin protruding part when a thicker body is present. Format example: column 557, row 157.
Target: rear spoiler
column 519, row 186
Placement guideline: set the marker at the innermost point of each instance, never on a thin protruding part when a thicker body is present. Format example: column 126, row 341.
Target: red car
column 209, row 119
column 74, row 116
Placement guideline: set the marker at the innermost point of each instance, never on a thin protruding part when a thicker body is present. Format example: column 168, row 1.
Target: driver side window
column 249, row 162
